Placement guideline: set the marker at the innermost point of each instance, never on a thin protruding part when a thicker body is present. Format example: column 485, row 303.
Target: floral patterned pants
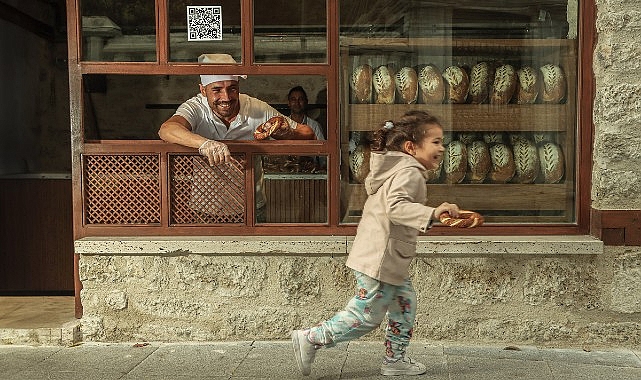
column 365, row 312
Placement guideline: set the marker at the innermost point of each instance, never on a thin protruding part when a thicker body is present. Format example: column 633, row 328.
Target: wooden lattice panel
column 121, row 189
column 203, row 194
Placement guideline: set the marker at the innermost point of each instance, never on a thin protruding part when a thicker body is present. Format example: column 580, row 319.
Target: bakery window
column 510, row 82
column 501, row 78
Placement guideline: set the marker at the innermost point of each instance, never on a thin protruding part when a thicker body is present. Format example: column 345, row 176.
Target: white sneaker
column 404, row 366
column 304, row 351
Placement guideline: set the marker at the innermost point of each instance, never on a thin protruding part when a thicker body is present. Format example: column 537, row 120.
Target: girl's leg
column 363, row 313
column 401, row 315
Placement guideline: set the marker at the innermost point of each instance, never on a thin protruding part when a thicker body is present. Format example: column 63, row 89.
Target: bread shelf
column 466, row 117
column 552, row 201
column 502, row 203
column 411, row 44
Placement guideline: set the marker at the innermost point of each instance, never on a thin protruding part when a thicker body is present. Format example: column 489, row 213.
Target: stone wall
column 617, row 106
column 549, row 291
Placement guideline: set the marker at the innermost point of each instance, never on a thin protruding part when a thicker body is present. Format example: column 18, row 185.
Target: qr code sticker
column 204, row 23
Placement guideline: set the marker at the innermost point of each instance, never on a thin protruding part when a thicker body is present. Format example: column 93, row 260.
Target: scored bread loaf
column 478, row 161
column 455, row 162
column 434, row 175
column 430, row 83
column 541, row 137
column 527, row 89
column 504, row 85
column 480, row 83
column 457, row 84
column 503, row 166
column 359, row 162
column 361, row 84
column 406, row 83
column 554, row 84
column 526, row 160
column 467, row 137
column 384, row 86
column 552, row 162
column 493, row 137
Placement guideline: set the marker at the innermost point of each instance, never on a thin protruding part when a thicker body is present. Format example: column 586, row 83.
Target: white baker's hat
column 220, row 59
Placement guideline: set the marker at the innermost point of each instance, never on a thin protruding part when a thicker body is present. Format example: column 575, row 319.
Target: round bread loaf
column 541, row 137
column 478, row 161
column 384, row 86
column 491, row 138
column 359, row 163
column 448, row 136
column 503, row 166
column 527, row 89
column 517, row 136
column 504, row 85
column 554, row 84
column 406, row 82
column 430, row 83
column 434, row 175
column 526, row 160
column 480, row 83
column 361, row 84
column 467, row 137
column 455, row 162
column 457, row 84
column 552, row 162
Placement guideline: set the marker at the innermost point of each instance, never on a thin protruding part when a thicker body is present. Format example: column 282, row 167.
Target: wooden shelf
column 504, row 197
column 412, row 43
column 466, row 117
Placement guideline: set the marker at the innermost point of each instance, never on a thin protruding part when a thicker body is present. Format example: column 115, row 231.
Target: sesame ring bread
column 267, row 128
column 466, row 219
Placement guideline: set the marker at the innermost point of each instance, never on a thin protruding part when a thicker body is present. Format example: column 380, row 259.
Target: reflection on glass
column 118, row 30
column 501, row 79
column 295, row 189
column 122, row 107
column 290, row 32
column 203, row 26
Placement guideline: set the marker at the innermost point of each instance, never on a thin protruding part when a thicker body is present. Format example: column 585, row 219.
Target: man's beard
column 226, row 109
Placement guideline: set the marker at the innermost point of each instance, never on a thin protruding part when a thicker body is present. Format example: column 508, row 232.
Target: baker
column 220, row 112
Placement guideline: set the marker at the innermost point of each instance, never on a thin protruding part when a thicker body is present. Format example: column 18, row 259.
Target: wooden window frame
column 330, row 70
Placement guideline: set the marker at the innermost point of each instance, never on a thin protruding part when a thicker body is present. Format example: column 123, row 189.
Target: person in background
column 385, row 244
column 221, row 112
column 297, row 102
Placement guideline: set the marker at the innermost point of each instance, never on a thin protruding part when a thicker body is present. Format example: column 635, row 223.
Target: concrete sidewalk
column 274, row 360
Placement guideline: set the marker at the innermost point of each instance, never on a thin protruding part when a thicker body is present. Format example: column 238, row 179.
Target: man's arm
column 177, row 130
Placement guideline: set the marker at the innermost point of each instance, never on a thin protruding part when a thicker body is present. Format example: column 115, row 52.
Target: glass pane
column 203, row 27
column 110, row 100
column 290, row 31
column 295, row 189
column 502, row 80
column 118, row 30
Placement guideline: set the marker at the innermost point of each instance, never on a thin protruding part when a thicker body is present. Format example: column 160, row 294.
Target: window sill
column 335, row 245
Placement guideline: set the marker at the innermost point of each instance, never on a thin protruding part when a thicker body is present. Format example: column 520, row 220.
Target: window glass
column 295, row 189
column 502, row 80
column 118, row 30
column 203, row 26
column 134, row 106
column 290, row 31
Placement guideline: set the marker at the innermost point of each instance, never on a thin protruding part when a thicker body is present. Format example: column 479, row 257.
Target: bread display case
column 507, row 105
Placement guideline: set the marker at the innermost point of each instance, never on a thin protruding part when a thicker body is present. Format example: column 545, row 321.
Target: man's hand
column 215, row 151
column 278, row 128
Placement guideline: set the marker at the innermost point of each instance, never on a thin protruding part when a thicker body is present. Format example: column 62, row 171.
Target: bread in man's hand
column 270, row 127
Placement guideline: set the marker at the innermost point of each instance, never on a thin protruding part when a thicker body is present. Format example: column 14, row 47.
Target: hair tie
column 389, row 125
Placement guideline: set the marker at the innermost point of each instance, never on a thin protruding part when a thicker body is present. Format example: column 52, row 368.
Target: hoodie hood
column 383, row 165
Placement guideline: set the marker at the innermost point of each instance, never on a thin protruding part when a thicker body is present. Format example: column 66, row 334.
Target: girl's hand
column 450, row 208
